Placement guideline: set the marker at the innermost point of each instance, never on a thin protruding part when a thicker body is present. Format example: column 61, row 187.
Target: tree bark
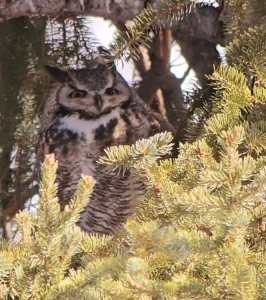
column 116, row 10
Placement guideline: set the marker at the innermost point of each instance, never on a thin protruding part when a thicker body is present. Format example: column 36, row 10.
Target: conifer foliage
column 200, row 232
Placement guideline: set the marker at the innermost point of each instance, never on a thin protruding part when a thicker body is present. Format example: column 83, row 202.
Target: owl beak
column 98, row 101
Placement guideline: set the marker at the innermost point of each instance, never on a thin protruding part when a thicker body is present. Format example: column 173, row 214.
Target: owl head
column 93, row 90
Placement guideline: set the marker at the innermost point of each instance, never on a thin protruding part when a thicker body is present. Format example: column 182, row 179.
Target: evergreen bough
column 200, row 232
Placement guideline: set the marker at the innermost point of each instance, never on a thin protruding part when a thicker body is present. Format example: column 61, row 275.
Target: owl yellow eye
column 77, row 94
column 112, row 91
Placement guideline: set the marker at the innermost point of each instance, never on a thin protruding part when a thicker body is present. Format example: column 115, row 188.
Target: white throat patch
column 86, row 127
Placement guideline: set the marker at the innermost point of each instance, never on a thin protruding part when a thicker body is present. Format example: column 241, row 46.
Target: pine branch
column 46, row 242
column 142, row 153
column 248, row 52
column 139, row 31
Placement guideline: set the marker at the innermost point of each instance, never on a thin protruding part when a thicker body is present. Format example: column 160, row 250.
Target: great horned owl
column 89, row 109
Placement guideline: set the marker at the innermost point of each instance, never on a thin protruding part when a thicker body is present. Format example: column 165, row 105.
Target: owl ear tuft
column 57, row 74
